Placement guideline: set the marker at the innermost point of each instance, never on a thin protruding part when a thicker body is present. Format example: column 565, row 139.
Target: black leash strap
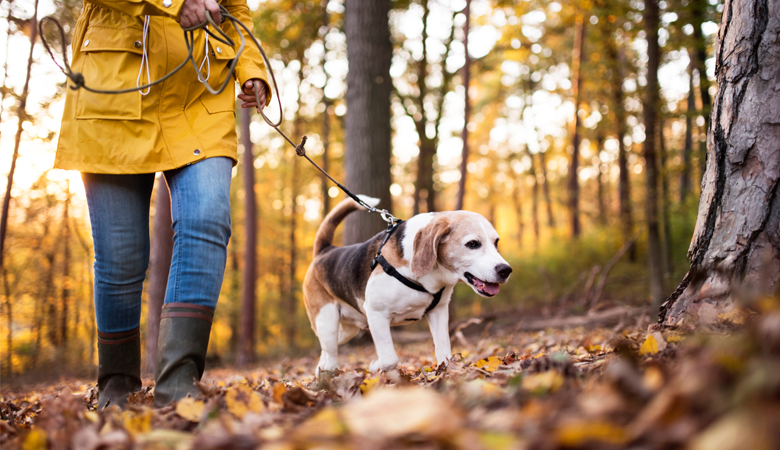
column 393, row 272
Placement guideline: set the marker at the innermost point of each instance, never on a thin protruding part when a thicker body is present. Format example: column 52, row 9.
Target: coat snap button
column 86, row 43
column 137, row 44
column 196, row 152
column 167, row 3
column 219, row 49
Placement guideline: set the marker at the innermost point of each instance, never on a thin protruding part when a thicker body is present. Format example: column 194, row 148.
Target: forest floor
column 601, row 381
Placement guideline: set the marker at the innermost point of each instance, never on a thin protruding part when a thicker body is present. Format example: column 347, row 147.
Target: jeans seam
column 178, row 254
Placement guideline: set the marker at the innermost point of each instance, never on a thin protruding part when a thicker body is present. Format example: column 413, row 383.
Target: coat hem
column 129, row 169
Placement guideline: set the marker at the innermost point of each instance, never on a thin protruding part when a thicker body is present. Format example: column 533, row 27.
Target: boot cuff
column 119, row 338
column 190, row 310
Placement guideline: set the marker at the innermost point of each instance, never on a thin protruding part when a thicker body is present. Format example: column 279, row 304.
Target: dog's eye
column 473, row 245
column 496, row 244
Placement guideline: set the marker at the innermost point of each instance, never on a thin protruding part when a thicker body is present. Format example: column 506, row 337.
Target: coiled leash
column 216, row 32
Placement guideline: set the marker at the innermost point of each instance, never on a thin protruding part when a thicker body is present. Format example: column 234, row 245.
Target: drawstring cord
column 144, row 60
column 205, row 60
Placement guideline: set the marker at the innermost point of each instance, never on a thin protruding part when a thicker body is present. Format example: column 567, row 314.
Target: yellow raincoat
column 178, row 122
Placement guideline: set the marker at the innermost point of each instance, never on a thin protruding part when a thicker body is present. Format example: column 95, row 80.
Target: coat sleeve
column 250, row 64
column 136, row 8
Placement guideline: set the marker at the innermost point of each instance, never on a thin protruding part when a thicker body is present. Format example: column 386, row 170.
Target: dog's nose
column 503, row 270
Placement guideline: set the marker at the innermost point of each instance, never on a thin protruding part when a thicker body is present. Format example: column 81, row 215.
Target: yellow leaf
column 368, row 384
column 242, row 399
column 36, row 440
column 490, row 364
column 737, row 316
column 324, row 425
column 138, row 422
column 576, row 434
column 650, row 347
column 543, row 382
column 92, row 416
column 278, row 392
column 190, row 409
column 498, row 440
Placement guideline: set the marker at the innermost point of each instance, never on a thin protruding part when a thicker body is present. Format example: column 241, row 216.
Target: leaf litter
column 589, row 388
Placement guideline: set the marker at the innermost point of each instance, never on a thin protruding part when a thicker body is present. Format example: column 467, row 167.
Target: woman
column 118, row 142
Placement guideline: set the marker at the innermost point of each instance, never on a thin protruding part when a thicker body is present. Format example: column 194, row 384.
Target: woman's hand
column 193, row 12
column 248, row 96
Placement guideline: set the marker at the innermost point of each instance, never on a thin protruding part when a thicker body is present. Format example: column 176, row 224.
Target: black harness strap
column 393, row 272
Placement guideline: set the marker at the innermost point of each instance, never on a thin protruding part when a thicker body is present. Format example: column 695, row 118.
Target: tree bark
column 367, row 123
column 574, row 181
column 159, row 269
column 602, row 217
column 246, row 330
column 534, row 196
column 666, row 249
column 466, row 110
column 9, row 340
column 735, row 250
column 698, row 15
column 291, row 305
column 66, row 282
column 651, row 104
column 21, row 115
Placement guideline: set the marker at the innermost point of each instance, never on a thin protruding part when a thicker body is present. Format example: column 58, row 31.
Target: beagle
column 344, row 292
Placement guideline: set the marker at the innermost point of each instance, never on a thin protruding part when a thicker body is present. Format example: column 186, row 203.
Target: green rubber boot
column 119, row 369
column 181, row 351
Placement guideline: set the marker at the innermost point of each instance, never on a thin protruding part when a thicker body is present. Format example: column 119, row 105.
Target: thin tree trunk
column 367, row 158
column 685, row 174
column 534, row 197
column 325, row 117
column 66, row 281
column 618, row 107
column 246, row 329
column 546, row 190
column 735, row 250
column 666, row 252
column 4, row 91
column 291, row 305
column 10, row 321
column 466, row 110
column 51, row 304
column 517, row 199
column 574, row 181
column 698, row 14
column 602, row 216
column 22, row 115
column 159, row 269
column 651, row 104
column 424, row 159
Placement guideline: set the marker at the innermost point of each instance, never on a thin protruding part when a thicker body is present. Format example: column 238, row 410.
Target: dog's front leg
column 379, row 325
column 438, row 322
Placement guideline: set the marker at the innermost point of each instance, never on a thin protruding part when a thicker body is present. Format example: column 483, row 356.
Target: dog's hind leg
column 327, row 322
column 347, row 332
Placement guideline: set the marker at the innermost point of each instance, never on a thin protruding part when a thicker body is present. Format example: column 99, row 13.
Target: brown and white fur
column 343, row 295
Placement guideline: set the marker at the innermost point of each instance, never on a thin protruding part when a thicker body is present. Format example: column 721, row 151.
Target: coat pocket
column 226, row 101
column 110, row 60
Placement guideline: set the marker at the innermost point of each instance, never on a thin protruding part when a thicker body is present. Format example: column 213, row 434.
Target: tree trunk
column 291, row 305
column 159, row 269
column 246, row 329
column 698, row 14
column 651, row 104
column 574, row 181
column 534, row 197
column 466, row 110
column 666, row 249
column 367, row 124
column 10, row 321
column 685, row 173
column 618, row 106
column 66, row 282
column 546, row 189
column 602, row 208
column 517, row 199
column 325, row 117
column 22, row 115
column 735, row 250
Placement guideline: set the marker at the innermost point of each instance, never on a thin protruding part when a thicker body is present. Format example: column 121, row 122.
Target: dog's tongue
column 492, row 288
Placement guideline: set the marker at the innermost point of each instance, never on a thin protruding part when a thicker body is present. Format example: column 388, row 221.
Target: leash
column 189, row 38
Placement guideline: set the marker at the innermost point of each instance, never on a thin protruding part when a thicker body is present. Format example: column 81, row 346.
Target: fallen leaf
column 650, row 346
column 278, row 391
column 389, row 413
column 575, row 434
column 36, row 440
column 490, row 364
column 137, row 422
column 326, row 424
column 548, row 381
column 241, row 400
column 190, row 409
column 368, row 384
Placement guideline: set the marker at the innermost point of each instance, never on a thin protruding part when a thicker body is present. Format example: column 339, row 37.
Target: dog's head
column 464, row 243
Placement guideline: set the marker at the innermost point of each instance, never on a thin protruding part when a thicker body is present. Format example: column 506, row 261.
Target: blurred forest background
column 592, row 210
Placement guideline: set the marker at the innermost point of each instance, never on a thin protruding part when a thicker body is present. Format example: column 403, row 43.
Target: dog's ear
column 426, row 246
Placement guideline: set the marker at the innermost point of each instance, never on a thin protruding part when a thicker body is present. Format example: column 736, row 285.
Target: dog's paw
column 378, row 365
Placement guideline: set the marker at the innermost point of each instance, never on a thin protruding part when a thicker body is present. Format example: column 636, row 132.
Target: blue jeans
column 119, row 212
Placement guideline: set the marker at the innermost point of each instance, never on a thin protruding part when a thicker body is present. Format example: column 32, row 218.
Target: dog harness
column 393, row 272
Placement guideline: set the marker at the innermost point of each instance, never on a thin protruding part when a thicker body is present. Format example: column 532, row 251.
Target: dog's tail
column 324, row 238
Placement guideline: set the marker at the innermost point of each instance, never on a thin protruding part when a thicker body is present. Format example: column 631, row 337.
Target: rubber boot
column 181, row 351
column 119, row 369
